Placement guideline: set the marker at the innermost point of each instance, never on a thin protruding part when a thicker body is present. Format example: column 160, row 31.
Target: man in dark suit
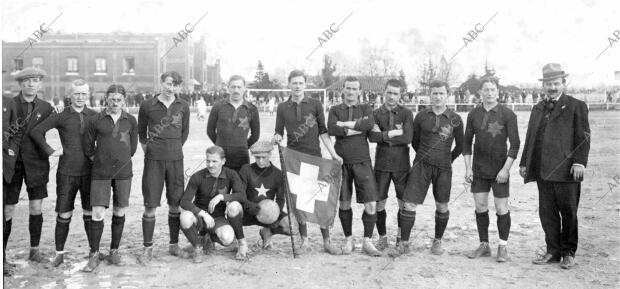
column 32, row 164
column 10, row 149
column 555, row 155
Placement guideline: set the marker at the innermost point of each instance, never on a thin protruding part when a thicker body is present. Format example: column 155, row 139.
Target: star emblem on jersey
column 310, row 120
column 176, row 119
column 495, row 128
column 125, row 137
column 446, row 132
column 262, row 191
column 244, row 122
column 308, row 188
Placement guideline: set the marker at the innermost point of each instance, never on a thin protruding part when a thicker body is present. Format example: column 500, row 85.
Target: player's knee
column 98, row 213
column 409, row 206
column 119, row 211
column 66, row 215
column 481, row 206
column 8, row 211
column 225, row 234
column 87, row 213
column 501, row 206
column 187, row 219
column 234, row 209
column 35, row 207
column 149, row 212
column 370, row 208
column 381, row 205
column 401, row 204
column 345, row 205
column 442, row 207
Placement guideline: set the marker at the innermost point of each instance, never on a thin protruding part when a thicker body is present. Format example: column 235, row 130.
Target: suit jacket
column 36, row 162
column 566, row 140
column 10, row 134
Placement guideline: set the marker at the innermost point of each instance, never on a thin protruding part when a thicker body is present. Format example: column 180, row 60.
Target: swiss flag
column 314, row 186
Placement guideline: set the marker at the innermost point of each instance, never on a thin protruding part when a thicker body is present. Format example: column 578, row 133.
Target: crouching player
column 203, row 209
column 264, row 184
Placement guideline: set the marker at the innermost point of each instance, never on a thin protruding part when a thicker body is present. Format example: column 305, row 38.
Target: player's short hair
column 394, row 83
column 235, row 78
column 352, row 79
column 176, row 77
column 296, row 73
column 116, row 88
column 216, row 150
column 439, row 83
column 77, row 83
column 489, row 79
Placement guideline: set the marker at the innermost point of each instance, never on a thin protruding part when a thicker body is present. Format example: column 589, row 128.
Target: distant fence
column 464, row 107
column 459, row 107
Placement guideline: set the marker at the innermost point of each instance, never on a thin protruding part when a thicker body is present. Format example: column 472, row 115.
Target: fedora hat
column 552, row 71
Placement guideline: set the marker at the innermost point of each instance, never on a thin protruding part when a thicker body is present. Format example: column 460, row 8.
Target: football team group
column 95, row 158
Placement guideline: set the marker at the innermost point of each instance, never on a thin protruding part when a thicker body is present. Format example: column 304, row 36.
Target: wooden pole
column 289, row 207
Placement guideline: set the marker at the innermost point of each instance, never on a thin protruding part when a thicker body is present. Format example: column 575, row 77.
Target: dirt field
column 598, row 256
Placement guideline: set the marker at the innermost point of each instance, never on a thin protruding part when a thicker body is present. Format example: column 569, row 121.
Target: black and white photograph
column 310, row 144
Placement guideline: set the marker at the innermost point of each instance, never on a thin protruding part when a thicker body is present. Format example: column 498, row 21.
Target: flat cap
column 30, row 72
column 261, row 146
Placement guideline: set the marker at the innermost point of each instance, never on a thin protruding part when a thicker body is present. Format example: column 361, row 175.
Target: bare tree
column 445, row 70
column 428, row 73
column 377, row 61
column 327, row 72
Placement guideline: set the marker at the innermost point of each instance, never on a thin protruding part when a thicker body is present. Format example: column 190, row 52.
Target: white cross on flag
column 314, row 186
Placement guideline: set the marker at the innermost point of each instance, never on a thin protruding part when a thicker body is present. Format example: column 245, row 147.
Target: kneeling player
column 264, row 182
column 204, row 212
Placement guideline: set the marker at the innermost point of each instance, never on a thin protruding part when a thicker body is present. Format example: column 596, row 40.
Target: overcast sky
column 517, row 42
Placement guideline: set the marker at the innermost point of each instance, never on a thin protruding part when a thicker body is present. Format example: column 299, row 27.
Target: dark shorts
column 249, row 220
column 202, row 227
column 100, row 192
column 365, row 187
column 14, row 189
column 383, row 183
column 480, row 185
column 421, row 176
column 236, row 157
column 156, row 173
column 66, row 191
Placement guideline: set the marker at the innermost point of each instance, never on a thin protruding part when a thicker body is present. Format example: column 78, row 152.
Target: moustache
column 552, row 91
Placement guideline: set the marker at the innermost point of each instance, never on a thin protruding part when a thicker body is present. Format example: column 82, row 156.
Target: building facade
column 133, row 60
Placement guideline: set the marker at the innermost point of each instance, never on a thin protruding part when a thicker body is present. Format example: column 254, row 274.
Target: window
column 18, row 64
column 72, row 65
column 100, row 65
column 129, row 65
column 37, row 62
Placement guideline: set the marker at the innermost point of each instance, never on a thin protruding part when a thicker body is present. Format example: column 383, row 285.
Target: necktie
column 437, row 123
column 235, row 116
column 81, row 123
column 30, row 108
column 485, row 119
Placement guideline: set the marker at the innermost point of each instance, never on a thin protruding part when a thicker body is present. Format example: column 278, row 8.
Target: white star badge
column 262, row 191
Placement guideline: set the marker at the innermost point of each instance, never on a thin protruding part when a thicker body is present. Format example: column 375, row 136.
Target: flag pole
column 289, row 207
